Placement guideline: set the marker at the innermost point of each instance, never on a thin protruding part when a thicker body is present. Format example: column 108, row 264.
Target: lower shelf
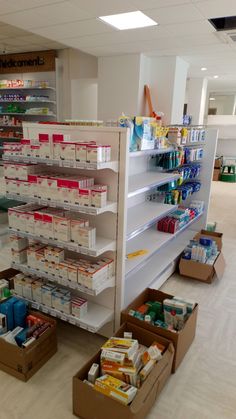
column 152, row 241
column 96, row 317
column 66, row 283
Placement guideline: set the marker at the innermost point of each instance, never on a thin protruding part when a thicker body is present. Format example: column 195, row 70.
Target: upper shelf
column 143, row 182
column 113, row 165
column 150, row 152
column 142, row 216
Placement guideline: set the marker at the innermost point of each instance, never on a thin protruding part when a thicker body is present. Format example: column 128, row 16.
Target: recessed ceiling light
column 212, row 98
column 216, row 77
column 131, row 20
column 204, row 69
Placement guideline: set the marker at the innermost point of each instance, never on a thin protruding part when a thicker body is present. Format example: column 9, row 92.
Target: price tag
column 66, row 207
column 64, row 282
column 73, row 285
column 45, row 310
column 53, row 204
column 53, row 313
column 92, row 329
column 35, row 305
column 83, row 326
column 72, row 321
column 63, row 317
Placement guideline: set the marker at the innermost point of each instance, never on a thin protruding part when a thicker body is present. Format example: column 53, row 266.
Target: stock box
column 23, row 363
column 91, row 404
column 181, row 340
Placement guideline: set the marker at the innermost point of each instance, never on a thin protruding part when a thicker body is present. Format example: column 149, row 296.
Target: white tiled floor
column 204, row 385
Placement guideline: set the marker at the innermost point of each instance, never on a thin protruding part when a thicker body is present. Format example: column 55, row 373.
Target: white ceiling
column 183, row 29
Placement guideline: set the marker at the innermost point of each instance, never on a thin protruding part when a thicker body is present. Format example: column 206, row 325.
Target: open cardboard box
column 90, row 404
column 8, row 274
column 216, row 174
column 213, row 235
column 181, row 340
column 201, row 271
column 23, row 363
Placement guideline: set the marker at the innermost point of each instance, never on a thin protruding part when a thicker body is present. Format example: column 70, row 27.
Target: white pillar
column 197, row 95
column 118, row 86
column 168, row 76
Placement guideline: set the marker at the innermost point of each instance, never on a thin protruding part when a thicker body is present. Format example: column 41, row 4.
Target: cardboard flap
column 219, row 266
column 154, row 380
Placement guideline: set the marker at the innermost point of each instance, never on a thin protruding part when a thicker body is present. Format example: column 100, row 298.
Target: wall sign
column 27, row 62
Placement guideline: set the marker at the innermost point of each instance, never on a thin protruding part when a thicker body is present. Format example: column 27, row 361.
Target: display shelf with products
column 109, row 283
column 130, row 230
column 102, row 244
column 96, row 317
column 109, row 207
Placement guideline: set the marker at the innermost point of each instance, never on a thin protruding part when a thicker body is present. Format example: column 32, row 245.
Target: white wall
column 77, row 70
column 84, row 98
column 118, row 86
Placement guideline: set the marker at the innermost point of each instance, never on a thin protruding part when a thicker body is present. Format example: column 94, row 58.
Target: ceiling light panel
column 131, row 20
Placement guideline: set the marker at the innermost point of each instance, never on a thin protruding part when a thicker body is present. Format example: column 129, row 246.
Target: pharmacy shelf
column 112, row 165
column 152, row 241
column 142, row 216
column 27, row 114
column 29, row 101
column 110, row 207
column 12, row 126
column 152, row 152
column 146, row 181
column 27, row 88
column 199, row 143
column 102, row 244
column 109, row 283
column 96, row 317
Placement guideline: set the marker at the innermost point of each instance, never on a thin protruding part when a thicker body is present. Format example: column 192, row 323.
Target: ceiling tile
column 47, row 15
column 154, row 4
column 175, row 14
column 9, row 6
column 216, row 8
column 98, row 8
column 189, row 28
column 10, row 31
column 74, row 29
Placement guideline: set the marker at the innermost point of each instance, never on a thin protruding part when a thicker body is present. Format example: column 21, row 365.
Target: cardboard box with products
column 181, row 339
column 202, row 271
column 23, row 363
column 90, row 404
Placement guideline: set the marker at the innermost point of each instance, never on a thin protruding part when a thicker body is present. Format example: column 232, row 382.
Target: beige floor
column 204, row 385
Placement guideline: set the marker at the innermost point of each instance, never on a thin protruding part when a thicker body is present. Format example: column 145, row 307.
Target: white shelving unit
column 102, row 300
column 128, row 223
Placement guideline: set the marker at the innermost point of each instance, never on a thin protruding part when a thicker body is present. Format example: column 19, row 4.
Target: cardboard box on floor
column 216, row 175
column 214, row 235
column 218, row 162
column 23, row 363
column 90, row 404
column 181, row 340
column 201, row 271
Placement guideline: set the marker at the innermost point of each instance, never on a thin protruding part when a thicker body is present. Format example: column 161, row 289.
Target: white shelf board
column 109, row 283
column 143, row 182
column 142, row 216
column 152, row 152
column 28, row 101
column 113, row 165
column 153, row 241
column 96, row 317
column 102, row 244
column 27, row 114
column 11, row 126
column 110, row 207
column 27, row 88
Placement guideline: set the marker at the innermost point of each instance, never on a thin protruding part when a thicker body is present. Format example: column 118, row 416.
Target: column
column 197, row 95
